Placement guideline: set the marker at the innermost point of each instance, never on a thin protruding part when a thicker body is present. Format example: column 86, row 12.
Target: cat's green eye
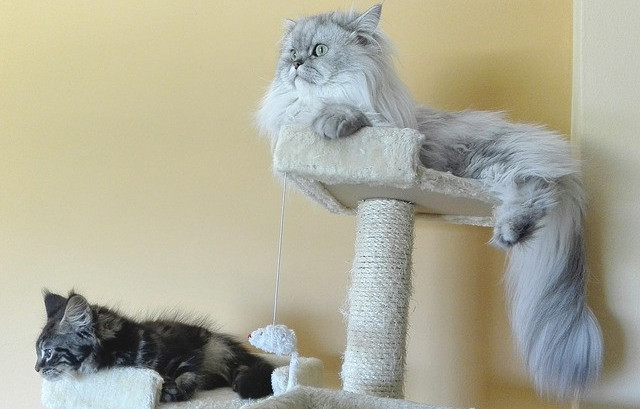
column 293, row 54
column 46, row 354
column 320, row 49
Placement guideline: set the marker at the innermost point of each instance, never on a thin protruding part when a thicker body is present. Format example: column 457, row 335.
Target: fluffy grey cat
column 335, row 75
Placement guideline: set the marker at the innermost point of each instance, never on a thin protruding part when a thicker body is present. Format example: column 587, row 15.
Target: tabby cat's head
column 68, row 340
column 330, row 49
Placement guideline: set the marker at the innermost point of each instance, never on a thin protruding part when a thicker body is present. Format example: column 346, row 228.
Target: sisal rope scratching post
column 374, row 360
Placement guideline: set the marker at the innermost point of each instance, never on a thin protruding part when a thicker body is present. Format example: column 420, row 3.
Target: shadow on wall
column 599, row 211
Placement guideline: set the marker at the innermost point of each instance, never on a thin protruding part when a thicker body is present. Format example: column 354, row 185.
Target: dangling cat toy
column 335, row 75
column 282, row 341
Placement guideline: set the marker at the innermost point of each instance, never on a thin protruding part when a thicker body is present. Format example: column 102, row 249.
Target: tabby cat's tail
column 554, row 328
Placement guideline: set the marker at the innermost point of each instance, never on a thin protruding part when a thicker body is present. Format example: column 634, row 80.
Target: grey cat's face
column 67, row 341
column 328, row 49
column 314, row 52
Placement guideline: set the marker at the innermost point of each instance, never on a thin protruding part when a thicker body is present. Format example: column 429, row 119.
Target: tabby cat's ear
column 53, row 302
column 369, row 20
column 77, row 313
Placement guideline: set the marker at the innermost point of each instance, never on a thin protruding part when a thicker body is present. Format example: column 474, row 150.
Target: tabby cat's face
column 328, row 49
column 67, row 341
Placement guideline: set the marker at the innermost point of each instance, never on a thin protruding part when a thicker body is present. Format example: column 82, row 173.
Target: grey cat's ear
column 288, row 25
column 368, row 21
column 53, row 302
column 77, row 313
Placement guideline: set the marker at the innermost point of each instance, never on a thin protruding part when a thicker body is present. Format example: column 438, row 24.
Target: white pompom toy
column 279, row 340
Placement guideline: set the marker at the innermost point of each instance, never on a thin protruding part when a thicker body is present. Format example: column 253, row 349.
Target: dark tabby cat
column 81, row 338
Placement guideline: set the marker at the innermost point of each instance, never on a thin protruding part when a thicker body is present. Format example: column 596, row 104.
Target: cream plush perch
column 114, row 388
column 377, row 163
column 136, row 388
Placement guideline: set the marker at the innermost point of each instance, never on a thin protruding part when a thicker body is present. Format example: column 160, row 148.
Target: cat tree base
column 315, row 398
column 138, row 388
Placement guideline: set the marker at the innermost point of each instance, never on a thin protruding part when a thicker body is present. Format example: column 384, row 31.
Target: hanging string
column 277, row 289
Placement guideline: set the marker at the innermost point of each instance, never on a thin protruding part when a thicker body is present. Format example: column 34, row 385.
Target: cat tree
column 376, row 175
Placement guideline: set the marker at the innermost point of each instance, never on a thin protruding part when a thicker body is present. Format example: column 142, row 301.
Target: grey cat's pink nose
column 297, row 63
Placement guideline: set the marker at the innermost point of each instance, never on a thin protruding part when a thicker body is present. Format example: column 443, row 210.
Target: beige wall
column 130, row 170
column 607, row 129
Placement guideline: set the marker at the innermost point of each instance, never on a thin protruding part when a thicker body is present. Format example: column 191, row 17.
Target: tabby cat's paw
column 253, row 382
column 339, row 120
column 170, row 392
column 180, row 389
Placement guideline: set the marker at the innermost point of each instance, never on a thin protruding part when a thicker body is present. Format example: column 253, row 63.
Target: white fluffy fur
column 528, row 168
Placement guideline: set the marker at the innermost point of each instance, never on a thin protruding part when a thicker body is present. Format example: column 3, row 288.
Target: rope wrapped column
column 378, row 300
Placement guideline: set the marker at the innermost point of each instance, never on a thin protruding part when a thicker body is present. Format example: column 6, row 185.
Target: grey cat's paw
column 519, row 216
column 506, row 235
column 339, row 120
column 515, row 229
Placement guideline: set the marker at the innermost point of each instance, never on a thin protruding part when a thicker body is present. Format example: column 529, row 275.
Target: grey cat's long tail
column 555, row 330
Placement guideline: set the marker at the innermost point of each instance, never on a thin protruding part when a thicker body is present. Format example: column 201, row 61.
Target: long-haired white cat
column 335, row 74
